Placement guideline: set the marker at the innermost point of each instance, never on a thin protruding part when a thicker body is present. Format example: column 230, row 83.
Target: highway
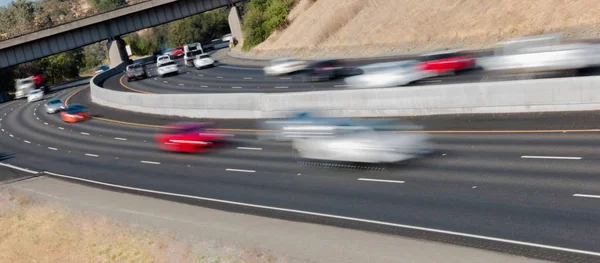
column 224, row 78
column 536, row 187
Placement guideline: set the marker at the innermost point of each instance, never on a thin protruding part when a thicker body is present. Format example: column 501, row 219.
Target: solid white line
column 236, row 87
column 52, row 148
column 381, row 181
column 120, row 139
column 240, row 170
column 284, row 87
column 203, row 86
column 149, row 162
column 589, row 196
column 550, row 157
column 247, row 78
column 334, row 216
column 61, row 128
column 85, row 133
column 19, row 168
column 249, row 148
column 27, row 141
column 92, row 155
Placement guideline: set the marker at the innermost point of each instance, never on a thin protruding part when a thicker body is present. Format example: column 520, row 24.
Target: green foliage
column 198, row 28
column 107, row 5
column 63, row 66
column 94, row 55
column 261, row 18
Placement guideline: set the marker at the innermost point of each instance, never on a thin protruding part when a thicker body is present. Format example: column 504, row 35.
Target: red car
column 190, row 137
column 176, row 52
column 450, row 62
column 74, row 113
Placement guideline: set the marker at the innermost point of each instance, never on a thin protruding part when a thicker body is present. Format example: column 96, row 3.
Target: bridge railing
column 11, row 35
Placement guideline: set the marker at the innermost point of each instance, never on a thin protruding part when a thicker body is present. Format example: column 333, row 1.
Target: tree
column 263, row 17
column 198, row 28
column 107, row 5
column 94, row 55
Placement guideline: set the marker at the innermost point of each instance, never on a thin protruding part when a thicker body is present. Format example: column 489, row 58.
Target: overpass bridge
column 109, row 26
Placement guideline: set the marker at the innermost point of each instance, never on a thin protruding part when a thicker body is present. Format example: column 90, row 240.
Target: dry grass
column 32, row 232
column 356, row 27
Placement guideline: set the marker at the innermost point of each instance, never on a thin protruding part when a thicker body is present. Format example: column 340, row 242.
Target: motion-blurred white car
column 361, row 144
column 203, row 61
column 284, row 66
column 54, row 106
column 162, row 59
column 35, row 95
column 168, row 67
column 388, row 74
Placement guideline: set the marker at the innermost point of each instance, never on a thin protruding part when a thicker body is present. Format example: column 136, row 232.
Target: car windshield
column 75, row 109
column 194, row 53
column 54, row 102
column 205, row 56
column 35, row 92
column 25, row 82
column 131, row 67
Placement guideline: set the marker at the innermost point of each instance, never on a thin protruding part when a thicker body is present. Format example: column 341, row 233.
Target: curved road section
column 535, row 194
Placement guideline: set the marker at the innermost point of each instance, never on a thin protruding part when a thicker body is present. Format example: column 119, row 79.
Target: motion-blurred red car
column 74, row 113
column 173, row 53
column 449, row 62
column 190, row 137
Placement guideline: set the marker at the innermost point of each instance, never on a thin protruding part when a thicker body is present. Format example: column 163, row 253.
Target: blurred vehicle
column 5, row 96
column 167, row 68
column 325, row 70
column 540, row 53
column 191, row 51
column 388, row 74
column 447, row 62
column 40, row 83
column 174, row 53
column 23, row 87
column 203, row 61
column 311, row 125
column 136, row 71
column 102, row 69
column 361, row 144
column 189, row 137
column 162, row 59
column 226, row 38
column 284, row 66
column 74, row 113
column 35, row 95
column 54, row 106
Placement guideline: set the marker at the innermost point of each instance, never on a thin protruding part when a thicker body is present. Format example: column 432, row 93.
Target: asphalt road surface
column 523, row 187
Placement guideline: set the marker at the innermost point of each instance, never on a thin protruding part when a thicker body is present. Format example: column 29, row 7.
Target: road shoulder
column 297, row 242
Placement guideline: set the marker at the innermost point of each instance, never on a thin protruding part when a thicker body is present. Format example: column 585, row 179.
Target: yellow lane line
column 132, row 89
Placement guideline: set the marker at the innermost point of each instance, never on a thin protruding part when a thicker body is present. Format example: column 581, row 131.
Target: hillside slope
column 369, row 27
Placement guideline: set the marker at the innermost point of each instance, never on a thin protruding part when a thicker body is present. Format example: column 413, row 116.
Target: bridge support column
column 235, row 25
column 117, row 52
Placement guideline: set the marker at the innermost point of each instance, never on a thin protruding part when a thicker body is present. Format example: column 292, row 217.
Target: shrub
column 263, row 17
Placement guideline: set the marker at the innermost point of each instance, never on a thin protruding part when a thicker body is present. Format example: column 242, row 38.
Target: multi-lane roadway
column 535, row 187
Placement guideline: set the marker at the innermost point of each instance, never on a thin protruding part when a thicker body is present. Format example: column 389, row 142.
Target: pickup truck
column 136, row 71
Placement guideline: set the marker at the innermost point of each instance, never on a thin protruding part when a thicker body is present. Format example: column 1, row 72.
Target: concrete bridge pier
column 235, row 25
column 117, row 53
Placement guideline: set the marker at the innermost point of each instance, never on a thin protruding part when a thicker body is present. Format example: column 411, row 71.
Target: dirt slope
column 368, row 27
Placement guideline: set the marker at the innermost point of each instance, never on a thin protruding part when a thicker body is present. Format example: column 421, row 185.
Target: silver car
column 388, row 74
column 362, row 144
column 54, row 106
column 284, row 66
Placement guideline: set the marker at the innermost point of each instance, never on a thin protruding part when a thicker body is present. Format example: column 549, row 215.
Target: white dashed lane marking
column 551, row 157
column 61, row 128
column 91, row 155
column 247, row 78
column 284, row 87
column 380, row 181
column 149, row 162
column 52, row 148
column 120, row 139
column 249, row 148
column 27, row 141
column 240, row 170
column 85, row 133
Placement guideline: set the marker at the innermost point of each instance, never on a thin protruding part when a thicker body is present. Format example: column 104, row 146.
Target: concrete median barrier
column 545, row 95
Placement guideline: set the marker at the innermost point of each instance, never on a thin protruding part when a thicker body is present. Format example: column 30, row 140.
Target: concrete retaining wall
column 566, row 94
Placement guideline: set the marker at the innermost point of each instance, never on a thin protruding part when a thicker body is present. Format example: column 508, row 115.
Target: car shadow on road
column 6, row 156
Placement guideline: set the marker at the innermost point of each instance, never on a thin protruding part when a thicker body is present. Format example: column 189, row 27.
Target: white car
column 162, row 59
column 23, row 87
column 203, row 60
column 388, row 74
column 35, row 95
column 166, row 68
column 285, row 66
column 361, row 144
